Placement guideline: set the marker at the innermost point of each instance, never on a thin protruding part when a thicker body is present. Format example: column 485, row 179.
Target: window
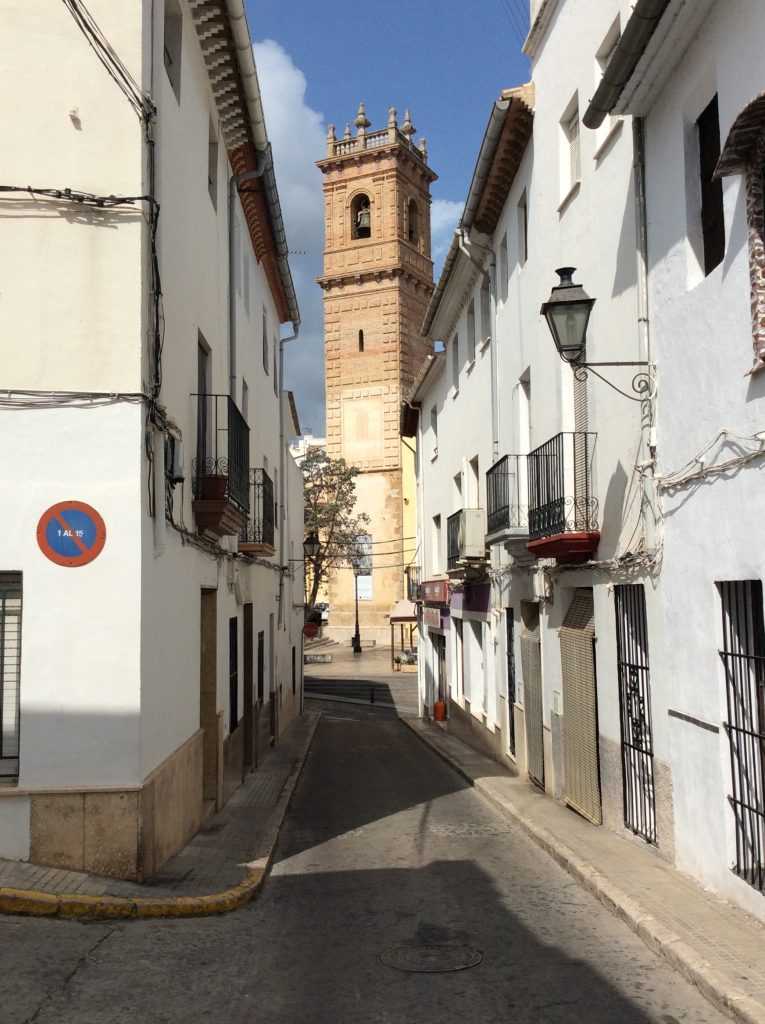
column 361, row 217
column 412, row 221
column 602, row 59
column 503, row 268
column 361, row 341
column 570, row 163
column 434, row 428
column 485, row 309
column 712, row 216
column 233, row 673
column 471, row 331
column 10, row 673
column 173, row 35
column 261, row 665
column 246, row 271
column 436, row 544
column 276, row 499
column 265, row 340
column 212, row 164
column 743, row 659
column 523, row 229
column 456, row 362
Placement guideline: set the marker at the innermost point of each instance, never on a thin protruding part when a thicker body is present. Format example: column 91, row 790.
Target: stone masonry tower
column 377, row 281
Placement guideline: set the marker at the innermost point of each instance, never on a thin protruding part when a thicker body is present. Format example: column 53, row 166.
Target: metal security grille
column 10, row 672
column 531, row 663
column 580, row 707
column 743, row 658
column 635, row 706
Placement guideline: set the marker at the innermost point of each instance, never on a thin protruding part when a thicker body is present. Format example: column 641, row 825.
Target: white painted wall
column 703, row 338
column 110, row 651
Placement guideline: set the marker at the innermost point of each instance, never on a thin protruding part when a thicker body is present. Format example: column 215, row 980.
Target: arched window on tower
column 361, row 217
column 361, row 341
column 413, row 225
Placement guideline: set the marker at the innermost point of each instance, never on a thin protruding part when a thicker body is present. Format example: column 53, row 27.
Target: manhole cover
column 431, row 959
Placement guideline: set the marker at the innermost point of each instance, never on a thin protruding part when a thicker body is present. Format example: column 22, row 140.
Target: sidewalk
column 221, row 868
column 716, row 946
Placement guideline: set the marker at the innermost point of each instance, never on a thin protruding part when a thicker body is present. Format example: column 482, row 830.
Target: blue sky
column 446, row 61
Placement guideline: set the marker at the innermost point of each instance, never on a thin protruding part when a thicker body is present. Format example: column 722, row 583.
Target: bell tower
column 377, row 282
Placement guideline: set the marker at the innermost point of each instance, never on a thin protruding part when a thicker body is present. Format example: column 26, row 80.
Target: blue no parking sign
column 71, row 533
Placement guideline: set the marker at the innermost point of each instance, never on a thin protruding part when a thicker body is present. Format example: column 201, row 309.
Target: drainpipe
column 644, row 327
column 466, row 245
column 234, row 184
column 282, row 469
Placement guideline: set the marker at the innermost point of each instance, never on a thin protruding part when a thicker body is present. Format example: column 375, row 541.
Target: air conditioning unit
column 472, row 534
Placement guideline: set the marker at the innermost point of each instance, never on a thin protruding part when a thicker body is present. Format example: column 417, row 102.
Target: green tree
column 330, row 512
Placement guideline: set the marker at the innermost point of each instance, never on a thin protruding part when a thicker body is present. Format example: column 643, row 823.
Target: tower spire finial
column 392, row 121
column 407, row 128
column 362, row 121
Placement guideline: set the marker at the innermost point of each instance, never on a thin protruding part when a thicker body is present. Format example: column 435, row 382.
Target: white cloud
column 298, row 139
column 444, row 214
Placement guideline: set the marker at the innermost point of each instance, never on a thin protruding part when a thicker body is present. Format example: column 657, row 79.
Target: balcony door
column 203, row 388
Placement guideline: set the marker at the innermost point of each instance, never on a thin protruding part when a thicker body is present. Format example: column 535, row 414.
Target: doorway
column 580, row 707
column 510, row 656
column 249, row 746
column 274, row 731
column 208, row 685
column 531, row 663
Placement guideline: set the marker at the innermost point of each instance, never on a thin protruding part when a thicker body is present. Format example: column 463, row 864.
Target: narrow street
column 385, row 855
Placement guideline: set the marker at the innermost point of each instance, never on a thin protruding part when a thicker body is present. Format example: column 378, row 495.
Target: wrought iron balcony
column 257, row 536
column 413, row 582
column 563, row 509
column 506, row 497
column 221, row 469
column 465, row 539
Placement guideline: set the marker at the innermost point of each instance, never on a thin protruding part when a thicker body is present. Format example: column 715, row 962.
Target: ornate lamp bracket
column 642, row 382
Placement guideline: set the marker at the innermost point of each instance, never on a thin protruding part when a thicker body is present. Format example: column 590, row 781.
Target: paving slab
column 717, row 946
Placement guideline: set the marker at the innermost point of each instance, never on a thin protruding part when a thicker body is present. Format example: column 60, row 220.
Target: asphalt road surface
column 387, row 858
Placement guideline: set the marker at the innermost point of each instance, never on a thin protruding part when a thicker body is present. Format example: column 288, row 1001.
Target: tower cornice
column 373, row 148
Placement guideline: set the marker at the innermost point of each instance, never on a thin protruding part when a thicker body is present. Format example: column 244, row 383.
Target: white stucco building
column 584, row 551
column 145, row 281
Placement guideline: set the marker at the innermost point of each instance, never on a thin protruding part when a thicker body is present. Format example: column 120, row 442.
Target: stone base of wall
column 122, row 833
column 473, row 731
column 612, row 797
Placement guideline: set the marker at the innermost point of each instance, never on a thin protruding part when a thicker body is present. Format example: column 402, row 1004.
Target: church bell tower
column 377, row 282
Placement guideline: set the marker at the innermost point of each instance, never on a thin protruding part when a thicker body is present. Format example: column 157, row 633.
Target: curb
column 78, row 907
column 716, row 987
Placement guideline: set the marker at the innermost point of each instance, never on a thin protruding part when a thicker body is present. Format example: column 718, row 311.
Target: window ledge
column 613, row 132
column 455, row 393
column 569, row 197
column 485, row 344
column 470, row 366
column 434, row 456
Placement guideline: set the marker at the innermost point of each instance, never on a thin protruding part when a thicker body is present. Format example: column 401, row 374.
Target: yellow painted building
column 377, row 282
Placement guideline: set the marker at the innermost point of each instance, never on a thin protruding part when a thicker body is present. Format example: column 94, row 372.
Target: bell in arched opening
column 361, row 217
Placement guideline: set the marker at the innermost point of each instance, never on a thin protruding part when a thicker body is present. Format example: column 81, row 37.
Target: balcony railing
column 465, row 538
column 221, row 469
column 413, row 579
column 258, row 533
column 506, row 496
column 561, row 486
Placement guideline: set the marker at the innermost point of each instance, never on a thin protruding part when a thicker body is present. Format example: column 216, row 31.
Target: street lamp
column 567, row 313
column 356, row 562
column 311, row 546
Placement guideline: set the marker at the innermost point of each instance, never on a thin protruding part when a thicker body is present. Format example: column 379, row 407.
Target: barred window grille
column 10, row 672
column 635, row 707
column 743, row 659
